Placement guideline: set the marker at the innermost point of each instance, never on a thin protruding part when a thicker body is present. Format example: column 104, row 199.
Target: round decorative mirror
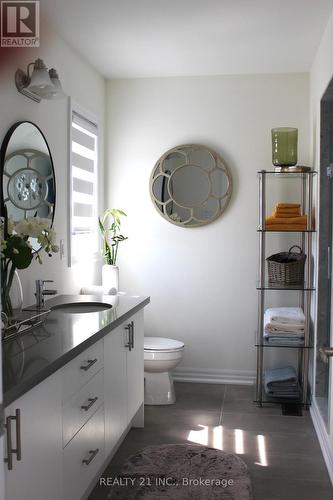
column 190, row 185
column 27, row 175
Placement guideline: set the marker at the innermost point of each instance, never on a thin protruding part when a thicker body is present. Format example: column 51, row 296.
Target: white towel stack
column 284, row 326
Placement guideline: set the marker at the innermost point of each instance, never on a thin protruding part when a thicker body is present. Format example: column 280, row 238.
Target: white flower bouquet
column 16, row 251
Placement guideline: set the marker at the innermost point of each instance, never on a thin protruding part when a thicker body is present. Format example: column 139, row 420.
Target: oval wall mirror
column 190, row 185
column 27, row 175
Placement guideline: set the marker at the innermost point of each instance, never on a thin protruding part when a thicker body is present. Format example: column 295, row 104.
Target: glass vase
column 284, row 146
column 7, row 276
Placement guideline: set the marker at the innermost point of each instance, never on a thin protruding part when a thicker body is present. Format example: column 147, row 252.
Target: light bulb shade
column 41, row 84
column 57, row 92
column 49, row 92
column 40, row 81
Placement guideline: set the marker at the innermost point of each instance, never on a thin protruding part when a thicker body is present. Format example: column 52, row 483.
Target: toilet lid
column 162, row 344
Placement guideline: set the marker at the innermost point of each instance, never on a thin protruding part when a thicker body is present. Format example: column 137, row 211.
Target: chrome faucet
column 41, row 292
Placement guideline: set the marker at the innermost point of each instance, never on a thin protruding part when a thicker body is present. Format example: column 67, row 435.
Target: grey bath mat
column 182, row 472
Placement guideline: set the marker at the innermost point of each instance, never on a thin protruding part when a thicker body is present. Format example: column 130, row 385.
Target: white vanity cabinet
column 73, row 421
column 37, row 432
column 123, row 377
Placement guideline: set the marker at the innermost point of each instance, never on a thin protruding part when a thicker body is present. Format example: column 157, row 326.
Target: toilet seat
column 162, row 344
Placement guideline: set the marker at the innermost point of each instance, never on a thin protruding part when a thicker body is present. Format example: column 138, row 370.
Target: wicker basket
column 286, row 268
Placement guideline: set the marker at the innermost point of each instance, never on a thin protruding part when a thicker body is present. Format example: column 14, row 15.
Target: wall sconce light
column 41, row 84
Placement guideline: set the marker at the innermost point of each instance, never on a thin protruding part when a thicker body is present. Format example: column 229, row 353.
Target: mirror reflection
column 190, row 185
column 28, row 183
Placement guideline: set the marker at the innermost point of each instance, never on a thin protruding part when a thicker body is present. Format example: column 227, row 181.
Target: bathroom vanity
column 73, row 387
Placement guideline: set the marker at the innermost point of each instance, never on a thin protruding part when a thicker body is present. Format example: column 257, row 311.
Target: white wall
column 201, row 280
column 86, row 87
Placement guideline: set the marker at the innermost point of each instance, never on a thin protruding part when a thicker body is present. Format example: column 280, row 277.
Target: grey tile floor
column 282, row 452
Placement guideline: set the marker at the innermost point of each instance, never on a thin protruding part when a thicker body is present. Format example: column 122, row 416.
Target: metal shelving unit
column 304, row 291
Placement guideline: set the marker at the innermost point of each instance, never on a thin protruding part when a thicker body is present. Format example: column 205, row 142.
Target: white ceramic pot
column 110, row 279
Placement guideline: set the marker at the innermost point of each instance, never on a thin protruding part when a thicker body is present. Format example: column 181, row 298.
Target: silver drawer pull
column 89, row 364
column 129, row 343
column 9, row 459
column 18, row 450
column 132, row 334
column 93, row 454
column 91, row 402
column 10, row 450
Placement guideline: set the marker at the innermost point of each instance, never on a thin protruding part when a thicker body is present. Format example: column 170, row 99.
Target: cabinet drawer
column 80, row 407
column 84, row 456
column 81, row 369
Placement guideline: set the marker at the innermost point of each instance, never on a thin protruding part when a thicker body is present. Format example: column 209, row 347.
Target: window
column 83, row 188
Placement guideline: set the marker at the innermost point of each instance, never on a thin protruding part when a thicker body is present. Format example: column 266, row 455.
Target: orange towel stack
column 287, row 210
column 286, row 217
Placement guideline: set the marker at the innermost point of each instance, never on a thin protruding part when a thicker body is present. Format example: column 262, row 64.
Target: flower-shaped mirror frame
column 190, row 185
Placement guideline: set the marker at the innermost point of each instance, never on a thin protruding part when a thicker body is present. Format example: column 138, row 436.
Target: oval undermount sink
column 81, row 307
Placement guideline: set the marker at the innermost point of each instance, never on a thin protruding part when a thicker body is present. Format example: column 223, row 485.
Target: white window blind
column 84, row 188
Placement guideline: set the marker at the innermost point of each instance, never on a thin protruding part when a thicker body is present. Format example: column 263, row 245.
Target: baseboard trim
column 244, row 377
column 323, row 437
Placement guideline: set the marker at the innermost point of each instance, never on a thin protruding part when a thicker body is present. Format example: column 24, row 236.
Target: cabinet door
column 83, row 457
column 115, row 387
column 38, row 475
column 135, row 367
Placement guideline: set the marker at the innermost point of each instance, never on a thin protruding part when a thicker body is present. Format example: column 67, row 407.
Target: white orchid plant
column 16, row 251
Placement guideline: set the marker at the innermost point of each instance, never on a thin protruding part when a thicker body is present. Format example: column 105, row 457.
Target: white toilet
column 161, row 356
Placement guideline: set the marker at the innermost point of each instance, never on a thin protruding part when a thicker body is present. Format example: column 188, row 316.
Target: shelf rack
column 304, row 291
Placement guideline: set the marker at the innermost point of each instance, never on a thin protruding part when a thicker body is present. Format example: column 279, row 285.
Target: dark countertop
column 30, row 359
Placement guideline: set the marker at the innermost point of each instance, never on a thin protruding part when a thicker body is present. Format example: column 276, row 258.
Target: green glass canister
column 284, row 146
